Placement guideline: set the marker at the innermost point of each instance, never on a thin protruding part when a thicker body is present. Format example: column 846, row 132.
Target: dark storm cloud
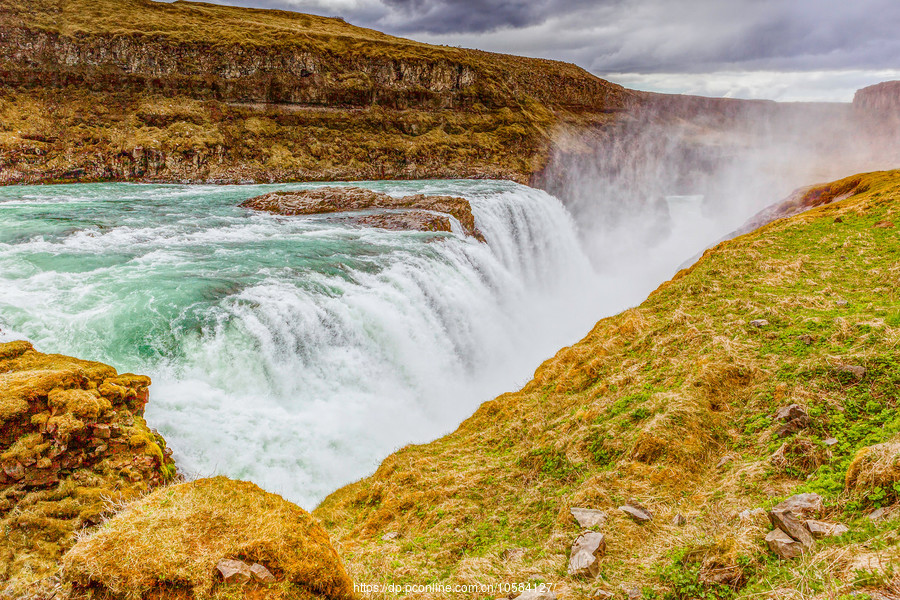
column 645, row 36
column 457, row 16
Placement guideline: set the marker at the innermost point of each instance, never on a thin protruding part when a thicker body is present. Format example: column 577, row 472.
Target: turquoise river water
column 296, row 352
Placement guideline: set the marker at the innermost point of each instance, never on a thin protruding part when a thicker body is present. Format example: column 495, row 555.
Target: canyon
column 647, row 454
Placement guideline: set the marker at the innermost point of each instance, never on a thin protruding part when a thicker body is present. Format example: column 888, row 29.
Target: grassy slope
column 647, row 406
column 500, row 126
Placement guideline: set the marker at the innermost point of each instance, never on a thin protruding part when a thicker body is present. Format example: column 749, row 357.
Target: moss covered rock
column 169, row 543
column 66, row 457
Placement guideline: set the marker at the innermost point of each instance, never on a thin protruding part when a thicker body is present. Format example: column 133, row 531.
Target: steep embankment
column 138, row 89
column 771, row 367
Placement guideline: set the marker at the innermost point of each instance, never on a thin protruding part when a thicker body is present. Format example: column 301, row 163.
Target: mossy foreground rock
column 168, row 544
column 73, row 446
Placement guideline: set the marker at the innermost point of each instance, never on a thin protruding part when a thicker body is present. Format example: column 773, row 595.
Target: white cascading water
column 292, row 351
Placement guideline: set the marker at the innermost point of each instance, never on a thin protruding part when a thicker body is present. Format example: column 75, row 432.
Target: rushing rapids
column 294, row 351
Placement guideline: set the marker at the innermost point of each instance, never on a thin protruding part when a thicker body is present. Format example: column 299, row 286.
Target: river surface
column 296, row 352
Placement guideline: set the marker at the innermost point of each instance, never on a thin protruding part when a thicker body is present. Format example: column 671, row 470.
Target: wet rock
column 261, row 574
column 637, row 512
column 234, row 571
column 783, row 545
column 679, row 520
column 588, row 517
column 759, row 323
column 785, row 520
column 802, row 506
column 587, row 550
column 821, row 529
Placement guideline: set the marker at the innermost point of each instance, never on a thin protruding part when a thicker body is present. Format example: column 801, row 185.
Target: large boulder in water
column 417, row 213
column 173, row 542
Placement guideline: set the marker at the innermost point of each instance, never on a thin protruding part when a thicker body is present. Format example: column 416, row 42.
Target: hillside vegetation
column 674, row 405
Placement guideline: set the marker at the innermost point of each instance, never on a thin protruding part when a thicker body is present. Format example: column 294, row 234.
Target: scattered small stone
column 855, row 370
column 785, row 520
column 821, row 529
column 795, row 418
column 512, row 554
column 879, row 514
column 679, row 520
column 637, row 512
column 390, row 535
column 802, row 506
column 806, row 339
column 751, row 514
column 634, row 593
column 759, row 323
column 234, row 571
column 261, row 574
column 783, row 545
column 588, row 517
column 587, row 550
column 830, row 441
column 540, row 592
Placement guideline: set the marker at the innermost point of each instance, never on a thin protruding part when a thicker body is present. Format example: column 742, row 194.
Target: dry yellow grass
column 168, row 544
column 670, row 404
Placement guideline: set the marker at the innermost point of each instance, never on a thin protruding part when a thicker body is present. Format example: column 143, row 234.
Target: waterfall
column 293, row 351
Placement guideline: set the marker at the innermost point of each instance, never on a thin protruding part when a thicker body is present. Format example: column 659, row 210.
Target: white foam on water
column 303, row 378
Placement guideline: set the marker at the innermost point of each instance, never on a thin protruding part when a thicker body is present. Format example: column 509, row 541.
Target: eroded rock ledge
column 75, row 445
column 409, row 213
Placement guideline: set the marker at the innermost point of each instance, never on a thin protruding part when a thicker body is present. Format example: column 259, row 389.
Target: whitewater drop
column 295, row 352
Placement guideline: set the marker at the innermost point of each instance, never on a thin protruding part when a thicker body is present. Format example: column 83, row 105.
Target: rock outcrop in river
column 415, row 213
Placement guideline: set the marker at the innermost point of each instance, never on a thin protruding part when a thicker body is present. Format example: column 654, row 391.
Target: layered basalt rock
column 416, row 213
column 879, row 98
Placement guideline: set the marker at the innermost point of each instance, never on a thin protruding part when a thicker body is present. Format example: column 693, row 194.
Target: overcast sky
column 778, row 49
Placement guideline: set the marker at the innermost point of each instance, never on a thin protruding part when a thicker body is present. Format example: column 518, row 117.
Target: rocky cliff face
column 141, row 90
column 883, row 98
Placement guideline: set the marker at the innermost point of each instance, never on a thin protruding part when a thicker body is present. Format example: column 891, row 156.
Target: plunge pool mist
column 295, row 351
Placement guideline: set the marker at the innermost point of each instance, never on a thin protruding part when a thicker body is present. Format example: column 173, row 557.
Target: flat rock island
column 413, row 213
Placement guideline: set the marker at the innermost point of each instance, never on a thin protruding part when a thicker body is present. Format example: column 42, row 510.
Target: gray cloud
column 643, row 37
